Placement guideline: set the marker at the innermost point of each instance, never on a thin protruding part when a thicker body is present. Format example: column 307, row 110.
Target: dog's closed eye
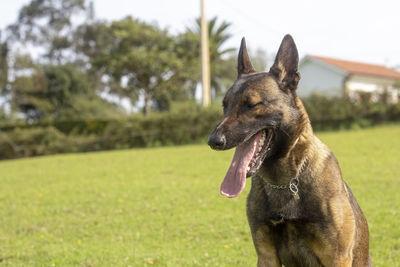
column 255, row 104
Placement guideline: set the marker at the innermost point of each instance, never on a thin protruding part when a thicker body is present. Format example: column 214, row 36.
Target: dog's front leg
column 256, row 216
column 266, row 252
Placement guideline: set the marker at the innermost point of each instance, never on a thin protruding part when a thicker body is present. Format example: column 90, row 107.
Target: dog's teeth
column 248, row 168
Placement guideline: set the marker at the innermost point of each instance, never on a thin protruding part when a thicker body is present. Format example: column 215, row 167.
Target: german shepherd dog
column 300, row 211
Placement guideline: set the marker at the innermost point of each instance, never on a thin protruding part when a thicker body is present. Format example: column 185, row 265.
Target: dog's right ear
column 244, row 63
column 286, row 64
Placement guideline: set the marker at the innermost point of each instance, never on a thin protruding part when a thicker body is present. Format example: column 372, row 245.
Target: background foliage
column 70, row 54
column 72, row 82
column 185, row 125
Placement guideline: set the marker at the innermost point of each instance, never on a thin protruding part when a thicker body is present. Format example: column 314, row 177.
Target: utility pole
column 205, row 59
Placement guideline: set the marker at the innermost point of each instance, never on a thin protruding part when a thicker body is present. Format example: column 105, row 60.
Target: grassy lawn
column 162, row 206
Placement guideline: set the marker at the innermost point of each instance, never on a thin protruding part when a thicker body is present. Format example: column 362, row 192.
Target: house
column 336, row 77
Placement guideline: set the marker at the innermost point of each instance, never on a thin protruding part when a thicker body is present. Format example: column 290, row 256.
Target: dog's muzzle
column 217, row 141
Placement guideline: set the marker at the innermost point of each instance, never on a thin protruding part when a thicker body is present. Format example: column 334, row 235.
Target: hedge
column 174, row 128
column 24, row 140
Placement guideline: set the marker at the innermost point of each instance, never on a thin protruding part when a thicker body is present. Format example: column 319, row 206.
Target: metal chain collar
column 293, row 184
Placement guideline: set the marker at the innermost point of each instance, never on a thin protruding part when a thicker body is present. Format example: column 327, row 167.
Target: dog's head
column 260, row 115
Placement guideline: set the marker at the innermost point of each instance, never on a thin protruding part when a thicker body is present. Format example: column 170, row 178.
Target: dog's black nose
column 217, row 141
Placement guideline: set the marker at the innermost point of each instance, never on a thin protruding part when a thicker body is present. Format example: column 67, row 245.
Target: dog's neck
column 281, row 171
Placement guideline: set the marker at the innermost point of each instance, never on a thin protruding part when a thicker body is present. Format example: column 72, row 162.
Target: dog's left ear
column 286, row 63
column 244, row 63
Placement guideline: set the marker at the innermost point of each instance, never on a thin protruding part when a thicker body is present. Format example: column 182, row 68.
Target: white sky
column 366, row 31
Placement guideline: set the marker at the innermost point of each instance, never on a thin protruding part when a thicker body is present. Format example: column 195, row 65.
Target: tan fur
column 342, row 221
column 265, row 248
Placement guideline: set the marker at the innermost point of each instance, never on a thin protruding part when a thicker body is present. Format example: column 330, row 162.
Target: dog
column 300, row 210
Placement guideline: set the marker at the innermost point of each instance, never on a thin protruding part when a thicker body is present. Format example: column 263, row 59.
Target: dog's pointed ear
column 244, row 63
column 286, row 64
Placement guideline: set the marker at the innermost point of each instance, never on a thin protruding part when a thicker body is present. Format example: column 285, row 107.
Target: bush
column 32, row 142
column 338, row 113
column 36, row 141
column 181, row 126
column 161, row 129
column 174, row 128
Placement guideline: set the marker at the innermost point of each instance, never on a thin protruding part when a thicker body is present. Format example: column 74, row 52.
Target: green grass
column 162, row 206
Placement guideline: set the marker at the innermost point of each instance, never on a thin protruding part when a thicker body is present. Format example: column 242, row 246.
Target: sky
column 364, row 31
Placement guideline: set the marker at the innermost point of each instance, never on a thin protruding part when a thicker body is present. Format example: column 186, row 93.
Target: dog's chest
column 297, row 255
column 291, row 222
column 294, row 244
column 278, row 205
column 282, row 206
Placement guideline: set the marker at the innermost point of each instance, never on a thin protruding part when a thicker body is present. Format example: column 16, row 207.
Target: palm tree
column 221, row 59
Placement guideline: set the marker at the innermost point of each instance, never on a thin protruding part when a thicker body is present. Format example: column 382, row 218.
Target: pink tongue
column 235, row 178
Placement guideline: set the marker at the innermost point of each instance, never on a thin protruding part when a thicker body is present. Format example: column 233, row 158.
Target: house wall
column 368, row 83
column 373, row 85
column 319, row 78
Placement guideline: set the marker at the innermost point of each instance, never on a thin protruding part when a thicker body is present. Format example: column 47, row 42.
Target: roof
column 360, row 68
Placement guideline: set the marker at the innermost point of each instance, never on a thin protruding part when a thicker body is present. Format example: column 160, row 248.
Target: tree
column 48, row 24
column 56, row 92
column 187, row 49
column 92, row 40
column 136, row 58
column 58, row 84
column 4, row 53
column 2, row 115
column 28, row 82
column 4, row 89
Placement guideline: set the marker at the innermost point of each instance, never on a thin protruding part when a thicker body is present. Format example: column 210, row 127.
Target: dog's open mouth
column 248, row 158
